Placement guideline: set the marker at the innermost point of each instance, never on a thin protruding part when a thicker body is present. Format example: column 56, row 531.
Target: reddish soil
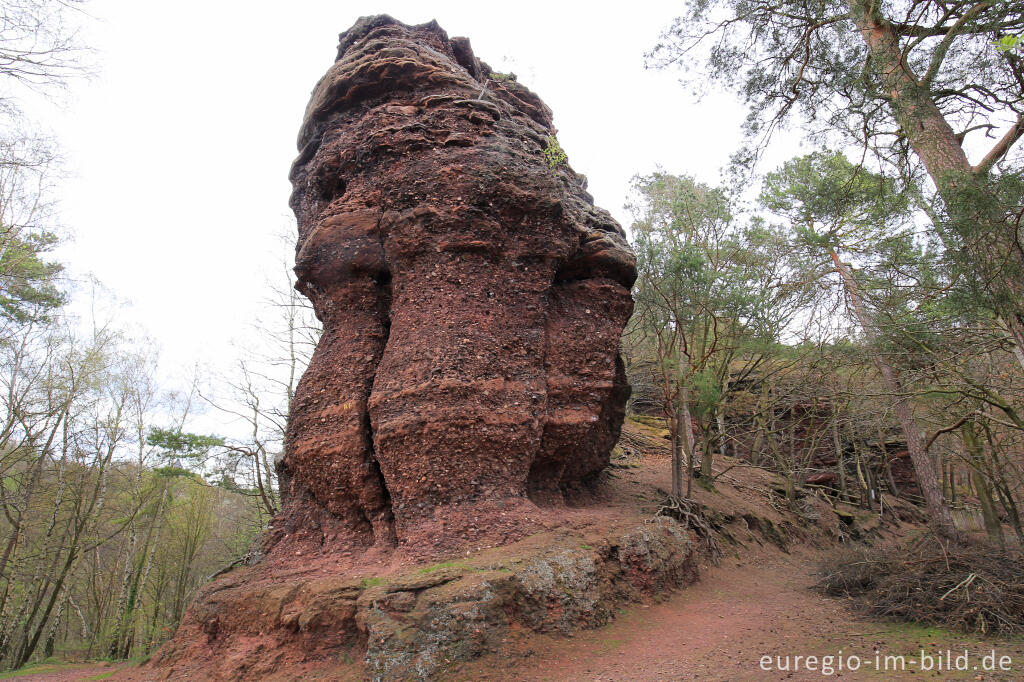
column 757, row 602
column 746, row 608
column 720, row 628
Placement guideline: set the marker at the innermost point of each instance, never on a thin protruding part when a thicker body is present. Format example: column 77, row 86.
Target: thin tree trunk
column 707, row 456
column 927, row 477
column 1002, row 488
column 1006, row 499
column 837, row 443
column 952, row 482
column 677, row 454
column 889, row 478
column 865, row 500
column 720, row 415
column 687, row 429
column 975, row 452
column 1016, row 331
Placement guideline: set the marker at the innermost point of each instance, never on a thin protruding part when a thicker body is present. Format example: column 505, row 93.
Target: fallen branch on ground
column 972, row 588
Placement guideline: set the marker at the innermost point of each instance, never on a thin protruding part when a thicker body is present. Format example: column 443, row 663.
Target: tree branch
column 1001, row 147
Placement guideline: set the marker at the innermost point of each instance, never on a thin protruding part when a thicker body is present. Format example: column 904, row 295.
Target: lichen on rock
column 473, row 611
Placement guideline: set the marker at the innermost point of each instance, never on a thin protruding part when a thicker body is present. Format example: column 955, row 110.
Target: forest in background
column 854, row 325
column 896, row 250
column 114, row 509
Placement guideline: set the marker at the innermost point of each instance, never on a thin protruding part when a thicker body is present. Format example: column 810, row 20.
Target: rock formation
column 467, row 386
column 472, row 299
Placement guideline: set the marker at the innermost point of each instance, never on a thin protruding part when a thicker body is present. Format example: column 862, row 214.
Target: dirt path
column 64, row 672
column 720, row 628
column 754, row 604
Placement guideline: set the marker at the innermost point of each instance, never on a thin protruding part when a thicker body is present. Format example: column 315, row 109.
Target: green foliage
column 554, row 155
column 929, row 87
column 835, row 208
column 700, row 270
column 707, row 391
column 792, row 57
column 178, row 443
column 171, row 472
column 992, row 276
column 1007, row 43
column 503, row 77
column 27, row 281
column 832, row 202
column 710, row 292
column 427, row 570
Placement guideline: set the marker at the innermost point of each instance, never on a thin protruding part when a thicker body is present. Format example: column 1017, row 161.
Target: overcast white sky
column 179, row 148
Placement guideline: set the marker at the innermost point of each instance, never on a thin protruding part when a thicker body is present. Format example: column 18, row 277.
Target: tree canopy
column 918, row 84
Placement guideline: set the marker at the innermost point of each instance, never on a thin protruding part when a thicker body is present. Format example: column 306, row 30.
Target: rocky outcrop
column 466, row 387
column 472, row 299
column 418, row 624
column 414, row 632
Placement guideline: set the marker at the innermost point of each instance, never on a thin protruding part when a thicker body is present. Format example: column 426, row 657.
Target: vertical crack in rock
column 383, row 519
column 587, row 388
column 472, row 299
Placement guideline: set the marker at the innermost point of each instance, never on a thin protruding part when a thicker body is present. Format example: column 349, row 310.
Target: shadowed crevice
column 382, row 519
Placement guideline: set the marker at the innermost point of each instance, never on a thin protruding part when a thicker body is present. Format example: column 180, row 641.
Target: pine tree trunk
column 973, row 207
column 924, row 468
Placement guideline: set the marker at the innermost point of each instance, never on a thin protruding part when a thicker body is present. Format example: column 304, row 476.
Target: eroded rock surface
column 418, row 624
column 472, row 299
column 467, row 386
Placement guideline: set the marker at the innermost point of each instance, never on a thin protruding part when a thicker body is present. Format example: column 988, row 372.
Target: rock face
column 416, row 625
column 472, row 299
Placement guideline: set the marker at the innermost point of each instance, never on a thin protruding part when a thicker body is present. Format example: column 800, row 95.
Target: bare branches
column 40, row 46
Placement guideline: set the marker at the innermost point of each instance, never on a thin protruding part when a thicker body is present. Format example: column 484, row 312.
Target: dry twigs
column 973, row 588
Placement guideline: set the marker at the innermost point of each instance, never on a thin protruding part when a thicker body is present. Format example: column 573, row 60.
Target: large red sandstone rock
column 472, row 299
column 466, row 387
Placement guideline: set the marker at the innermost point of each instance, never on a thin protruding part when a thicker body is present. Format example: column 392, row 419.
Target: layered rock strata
column 418, row 624
column 472, row 299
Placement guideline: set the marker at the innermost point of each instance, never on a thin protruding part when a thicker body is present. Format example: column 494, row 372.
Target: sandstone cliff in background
column 472, row 299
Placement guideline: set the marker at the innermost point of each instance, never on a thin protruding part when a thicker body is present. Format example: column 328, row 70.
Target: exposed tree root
column 691, row 514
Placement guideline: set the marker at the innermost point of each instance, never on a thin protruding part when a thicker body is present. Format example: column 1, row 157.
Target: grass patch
column 41, row 668
column 706, row 484
column 610, row 644
column 427, row 570
column 646, row 420
column 371, row 582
